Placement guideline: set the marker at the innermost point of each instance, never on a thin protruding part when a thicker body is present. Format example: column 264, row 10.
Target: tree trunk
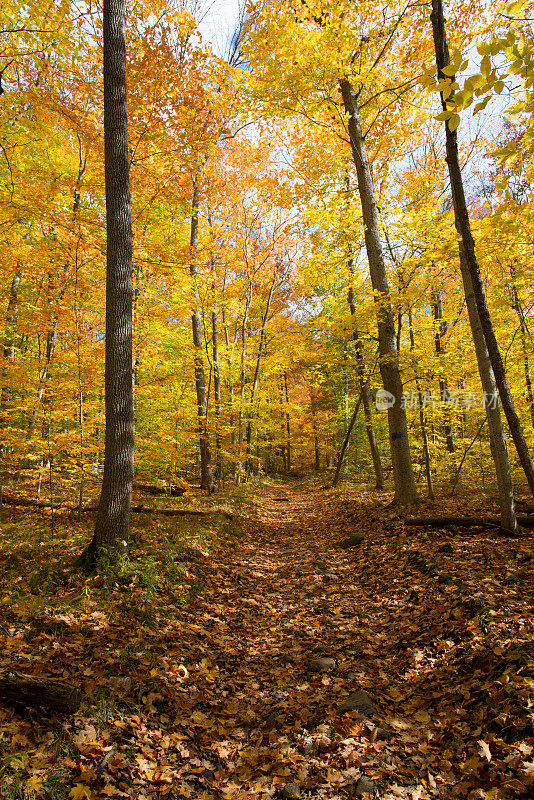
column 230, row 385
column 524, row 337
column 9, row 338
column 288, row 427
column 366, row 395
column 206, row 474
column 497, row 438
column 315, row 436
column 242, row 382
column 440, row 329
column 405, row 488
column 256, row 379
column 422, row 417
column 112, row 522
column 461, row 218
column 346, row 442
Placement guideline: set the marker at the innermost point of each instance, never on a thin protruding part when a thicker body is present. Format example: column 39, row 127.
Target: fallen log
column 169, row 512
column 138, row 509
column 466, row 522
column 153, row 489
column 526, row 507
column 11, row 500
column 26, row 690
column 178, row 512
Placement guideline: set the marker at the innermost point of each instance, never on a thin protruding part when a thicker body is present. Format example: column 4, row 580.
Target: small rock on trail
column 322, row 664
column 358, row 701
column 351, row 541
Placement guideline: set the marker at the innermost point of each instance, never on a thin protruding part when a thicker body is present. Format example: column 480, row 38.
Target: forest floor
column 198, row 660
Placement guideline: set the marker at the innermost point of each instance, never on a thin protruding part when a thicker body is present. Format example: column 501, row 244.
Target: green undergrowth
column 166, row 566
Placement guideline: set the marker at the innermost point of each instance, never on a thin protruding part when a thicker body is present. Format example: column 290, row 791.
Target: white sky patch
column 217, row 23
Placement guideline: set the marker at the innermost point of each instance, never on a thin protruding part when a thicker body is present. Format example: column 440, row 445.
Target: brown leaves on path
column 425, row 636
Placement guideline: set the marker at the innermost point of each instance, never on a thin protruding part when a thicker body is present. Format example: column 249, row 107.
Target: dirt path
column 413, row 641
column 211, row 696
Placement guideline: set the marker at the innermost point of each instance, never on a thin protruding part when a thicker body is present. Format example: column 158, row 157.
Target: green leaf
column 483, row 48
column 450, row 70
column 444, row 115
column 485, row 66
column 454, row 122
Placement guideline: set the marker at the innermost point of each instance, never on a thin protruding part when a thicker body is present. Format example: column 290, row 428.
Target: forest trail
column 426, row 638
column 417, row 643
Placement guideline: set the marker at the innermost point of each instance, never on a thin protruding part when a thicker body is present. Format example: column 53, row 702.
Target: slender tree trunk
column 405, row 488
column 497, row 438
column 9, row 339
column 288, row 426
column 230, row 386
column 518, row 308
column 422, row 417
column 346, row 442
column 363, row 381
column 242, row 383
column 255, row 382
column 283, row 426
column 440, row 329
column 461, row 218
column 206, row 474
column 112, row 522
column 315, row 436
column 217, row 392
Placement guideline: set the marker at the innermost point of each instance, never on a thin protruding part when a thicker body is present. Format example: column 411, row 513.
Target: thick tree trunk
column 112, row 522
column 206, row 474
column 366, row 394
column 345, row 446
column 461, row 217
column 440, row 329
column 405, row 488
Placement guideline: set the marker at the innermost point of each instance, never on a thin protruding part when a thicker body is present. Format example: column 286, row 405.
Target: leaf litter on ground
column 194, row 657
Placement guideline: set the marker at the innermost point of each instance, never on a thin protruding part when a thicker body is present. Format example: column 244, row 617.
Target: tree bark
column 346, row 442
column 518, row 308
column 497, row 438
column 206, row 474
column 242, row 383
column 26, row 690
column 422, row 417
column 366, row 395
column 9, row 338
column 112, row 522
column 256, row 378
column 405, row 488
column 440, row 329
column 288, row 426
column 461, row 217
